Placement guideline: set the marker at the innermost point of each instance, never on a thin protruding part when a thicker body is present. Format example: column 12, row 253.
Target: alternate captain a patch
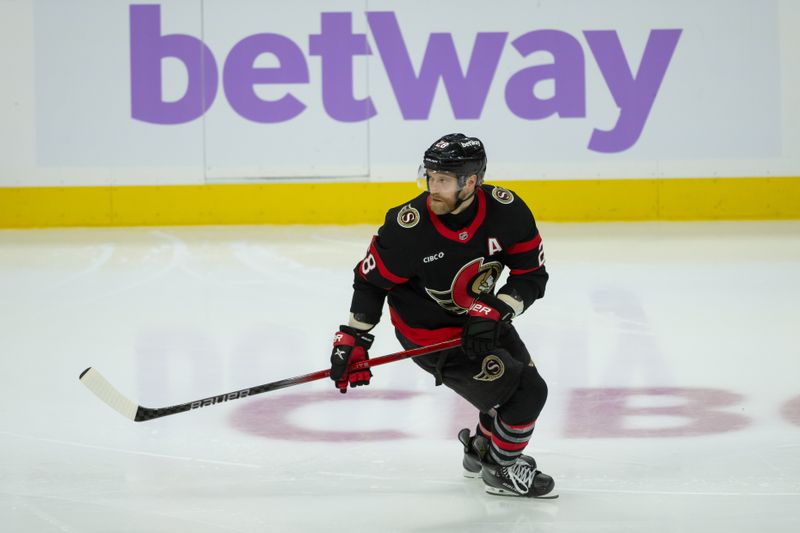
column 504, row 196
column 408, row 217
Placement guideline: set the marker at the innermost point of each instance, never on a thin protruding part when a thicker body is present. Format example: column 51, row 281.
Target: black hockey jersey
column 432, row 273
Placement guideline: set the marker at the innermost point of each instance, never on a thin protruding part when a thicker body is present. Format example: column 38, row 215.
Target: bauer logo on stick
column 220, row 399
column 491, row 369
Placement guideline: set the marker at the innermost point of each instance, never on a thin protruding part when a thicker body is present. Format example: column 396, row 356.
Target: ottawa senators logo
column 492, row 368
column 504, row 196
column 474, row 278
column 408, row 217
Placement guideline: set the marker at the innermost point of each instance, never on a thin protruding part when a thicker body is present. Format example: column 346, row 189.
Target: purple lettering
column 791, row 411
column 633, row 95
column 240, row 76
column 414, row 93
column 148, row 48
column 274, row 418
column 608, row 413
column 566, row 71
column 336, row 45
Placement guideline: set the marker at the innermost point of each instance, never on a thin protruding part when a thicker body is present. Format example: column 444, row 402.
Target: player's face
column 443, row 187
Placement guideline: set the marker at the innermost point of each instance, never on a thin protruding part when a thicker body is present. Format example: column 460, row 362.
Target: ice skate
column 519, row 479
column 475, row 449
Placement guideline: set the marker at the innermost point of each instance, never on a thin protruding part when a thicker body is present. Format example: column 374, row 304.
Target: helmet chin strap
column 460, row 201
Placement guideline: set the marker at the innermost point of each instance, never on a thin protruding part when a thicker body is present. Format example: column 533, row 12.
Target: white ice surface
column 672, row 354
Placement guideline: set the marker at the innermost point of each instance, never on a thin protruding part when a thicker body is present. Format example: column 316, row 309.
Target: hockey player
column 437, row 259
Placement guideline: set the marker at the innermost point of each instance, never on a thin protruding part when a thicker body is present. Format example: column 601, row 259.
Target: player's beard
column 442, row 205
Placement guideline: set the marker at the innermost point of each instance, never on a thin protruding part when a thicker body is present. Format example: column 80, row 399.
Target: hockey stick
column 104, row 390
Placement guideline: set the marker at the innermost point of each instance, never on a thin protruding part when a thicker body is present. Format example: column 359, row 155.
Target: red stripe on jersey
column 508, row 446
column 382, row 267
column 517, row 271
column 526, row 246
column 469, row 230
column 421, row 336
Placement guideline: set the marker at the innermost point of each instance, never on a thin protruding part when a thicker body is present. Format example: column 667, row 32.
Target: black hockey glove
column 485, row 320
column 350, row 346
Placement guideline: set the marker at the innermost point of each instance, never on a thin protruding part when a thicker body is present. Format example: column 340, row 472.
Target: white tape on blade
column 104, row 390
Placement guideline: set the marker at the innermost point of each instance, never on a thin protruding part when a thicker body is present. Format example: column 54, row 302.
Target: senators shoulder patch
column 408, row 217
column 504, row 196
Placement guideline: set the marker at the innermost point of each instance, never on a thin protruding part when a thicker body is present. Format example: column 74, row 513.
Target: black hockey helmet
column 459, row 154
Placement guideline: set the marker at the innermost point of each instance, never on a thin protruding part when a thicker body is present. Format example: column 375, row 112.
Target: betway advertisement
column 240, row 90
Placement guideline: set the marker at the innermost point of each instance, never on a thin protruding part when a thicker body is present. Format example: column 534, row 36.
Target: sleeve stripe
column 382, row 268
column 526, row 246
column 518, row 271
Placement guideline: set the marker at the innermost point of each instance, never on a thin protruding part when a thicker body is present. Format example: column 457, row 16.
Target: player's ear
column 472, row 180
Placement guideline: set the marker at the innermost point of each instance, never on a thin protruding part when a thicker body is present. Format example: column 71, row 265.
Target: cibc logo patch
column 408, row 217
column 492, row 368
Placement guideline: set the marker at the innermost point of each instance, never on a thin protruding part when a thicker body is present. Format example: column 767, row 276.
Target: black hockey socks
column 485, row 424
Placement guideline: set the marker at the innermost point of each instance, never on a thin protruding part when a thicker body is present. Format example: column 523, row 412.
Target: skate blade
column 473, row 475
column 503, row 492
